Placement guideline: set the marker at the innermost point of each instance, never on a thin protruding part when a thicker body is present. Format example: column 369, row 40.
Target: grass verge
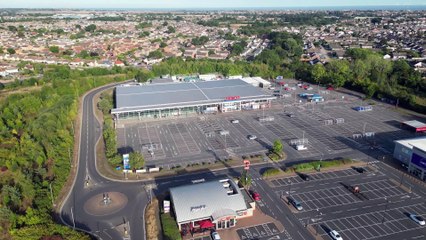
column 152, row 221
column 314, row 165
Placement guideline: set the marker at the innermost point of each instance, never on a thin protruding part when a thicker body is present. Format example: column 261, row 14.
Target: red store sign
column 230, row 98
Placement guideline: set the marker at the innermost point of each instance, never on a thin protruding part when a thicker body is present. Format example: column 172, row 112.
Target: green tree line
column 36, row 148
column 369, row 73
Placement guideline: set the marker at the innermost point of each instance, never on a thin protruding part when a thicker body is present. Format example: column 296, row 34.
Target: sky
column 184, row 4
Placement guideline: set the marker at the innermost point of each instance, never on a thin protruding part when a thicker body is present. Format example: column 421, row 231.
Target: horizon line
column 237, row 8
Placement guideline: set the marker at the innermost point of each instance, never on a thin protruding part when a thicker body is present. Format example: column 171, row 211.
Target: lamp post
column 402, row 177
column 316, row 226
column 386, row 208
column 289, row 190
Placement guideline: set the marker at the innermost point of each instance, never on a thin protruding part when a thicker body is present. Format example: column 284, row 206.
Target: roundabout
column 105, row 204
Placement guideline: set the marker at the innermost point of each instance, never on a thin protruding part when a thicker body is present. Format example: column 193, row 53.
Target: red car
column 256, row 196
column 330, row 88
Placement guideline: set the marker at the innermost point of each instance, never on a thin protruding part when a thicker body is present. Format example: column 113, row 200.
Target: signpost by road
column 246, row 164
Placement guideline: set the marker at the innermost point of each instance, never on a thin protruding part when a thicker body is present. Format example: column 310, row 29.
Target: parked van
column 300, row 147
column 224, row 132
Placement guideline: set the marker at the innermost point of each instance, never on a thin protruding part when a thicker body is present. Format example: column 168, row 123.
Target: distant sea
column 337, row 8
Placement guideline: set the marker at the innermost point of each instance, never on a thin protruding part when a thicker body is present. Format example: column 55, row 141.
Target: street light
column 316, row 226
column 386, row 208
column 289, row 190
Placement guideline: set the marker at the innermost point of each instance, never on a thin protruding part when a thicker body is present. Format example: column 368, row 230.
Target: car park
column 418, row 219
column 335, row 235
column 252, row 137
column 215, row 236
column 256, row 196
column 296, row 204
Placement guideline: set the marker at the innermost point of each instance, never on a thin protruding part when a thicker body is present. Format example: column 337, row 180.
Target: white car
column 418, row 219
column 252, row 137
column 335, row 235
column 215, row 236
column 235, row 121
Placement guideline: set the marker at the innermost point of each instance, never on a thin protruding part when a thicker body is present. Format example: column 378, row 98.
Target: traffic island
column 105, row 204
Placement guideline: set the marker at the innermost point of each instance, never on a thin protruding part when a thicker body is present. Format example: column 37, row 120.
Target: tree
column 143, row 25
column 78, row 26
column 277, row 147
column 165, row 23
column 83, row 54
column 163, row 45
column 245, row 179
column 338, row 72
column 155, row 54
column 54, row 49
column 136, row 160
column 318, row 73
column 12, row 28
column 238, row 47
column 200, row 40
column 105, row 105
column 68, row 52
column 11, row 51
column 144, row 34
column 171, row 29
column 90, row 28
column 1, row 50
column 143, row 75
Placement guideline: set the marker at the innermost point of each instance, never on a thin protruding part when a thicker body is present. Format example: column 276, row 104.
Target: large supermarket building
column 180, row 99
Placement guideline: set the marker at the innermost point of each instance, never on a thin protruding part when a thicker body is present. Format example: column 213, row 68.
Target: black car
column 360, row 169
column 305, row 177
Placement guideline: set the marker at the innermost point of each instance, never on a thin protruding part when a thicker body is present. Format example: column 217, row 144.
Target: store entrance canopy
column 206, row 224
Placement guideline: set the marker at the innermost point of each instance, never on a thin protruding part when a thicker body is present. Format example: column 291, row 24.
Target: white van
column 224, row 132
column 300, row 147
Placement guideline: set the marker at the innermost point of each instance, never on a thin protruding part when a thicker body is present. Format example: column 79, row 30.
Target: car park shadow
column 264, row 144
column 125, row 150
column 406, row 214
column 394, row 123
column 325, row 228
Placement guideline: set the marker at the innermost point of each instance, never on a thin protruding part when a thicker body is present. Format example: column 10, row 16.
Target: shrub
column 274, row 157
column 271, row 172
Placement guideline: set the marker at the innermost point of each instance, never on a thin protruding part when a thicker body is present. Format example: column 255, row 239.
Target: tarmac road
column 73, row 212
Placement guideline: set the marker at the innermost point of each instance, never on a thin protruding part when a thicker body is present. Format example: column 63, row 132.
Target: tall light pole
column 289, row 190
column 316, row 226
column 386, row 208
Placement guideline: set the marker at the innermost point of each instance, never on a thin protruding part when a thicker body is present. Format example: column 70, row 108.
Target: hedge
column 271, row 172
column 324, row 164
column 170, row 229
